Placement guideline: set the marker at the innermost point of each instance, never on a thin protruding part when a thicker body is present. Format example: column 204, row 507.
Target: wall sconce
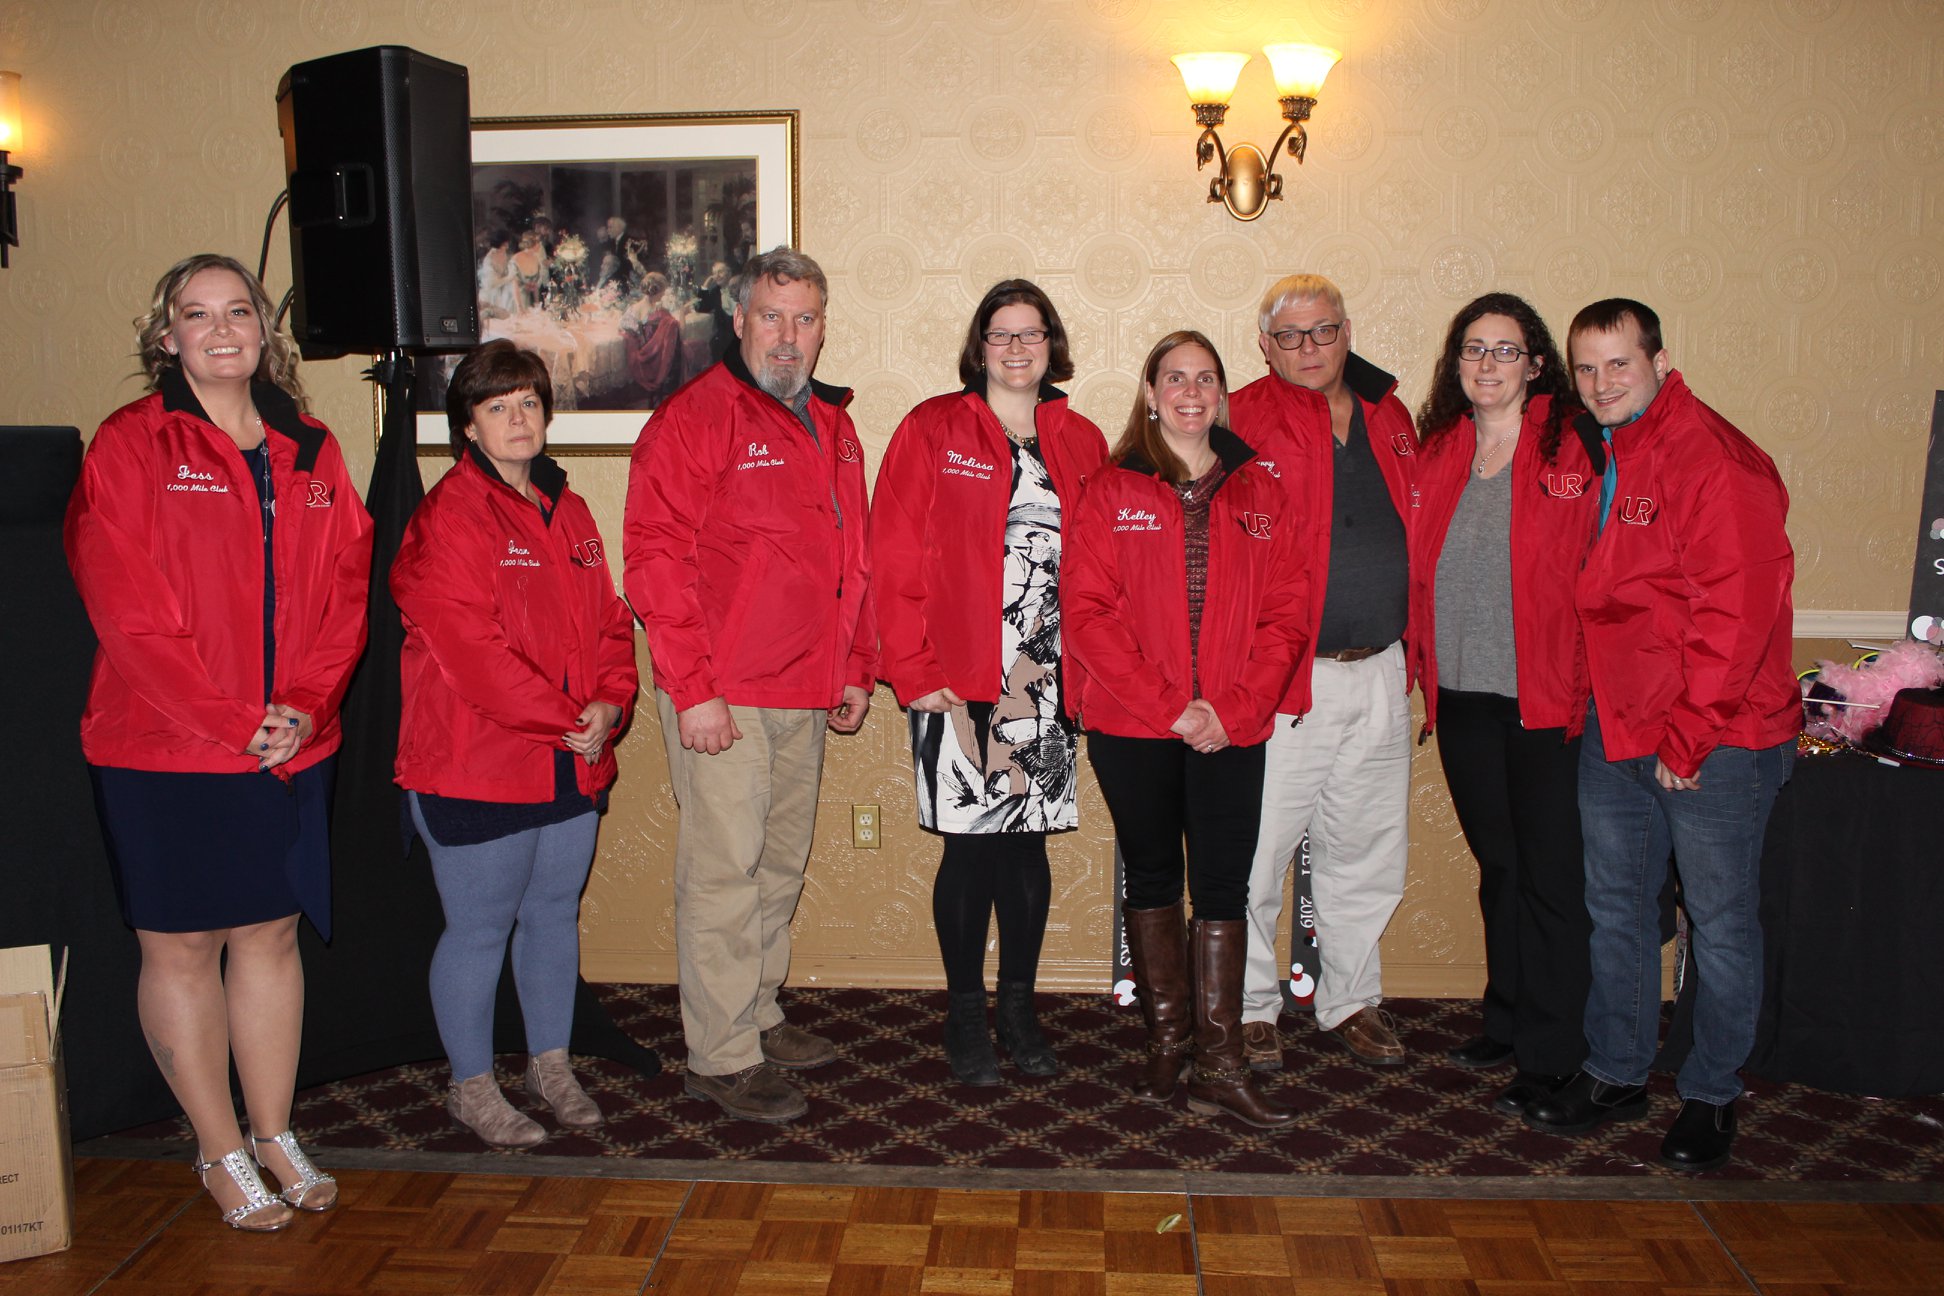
column 9, row 140
column 1247, row 180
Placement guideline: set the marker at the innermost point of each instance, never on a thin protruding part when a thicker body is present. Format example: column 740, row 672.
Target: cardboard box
column 36, row 1160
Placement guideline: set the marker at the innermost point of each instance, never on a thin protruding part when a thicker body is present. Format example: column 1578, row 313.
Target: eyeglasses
column 1292, row 339
column 1025, row 337
column 1504, row 352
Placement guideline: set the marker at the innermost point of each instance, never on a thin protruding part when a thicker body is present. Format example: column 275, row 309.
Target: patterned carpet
column 890, row 1101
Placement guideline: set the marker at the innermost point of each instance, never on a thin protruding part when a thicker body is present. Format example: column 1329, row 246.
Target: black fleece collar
column 1366, row 380
column 279, row 411
column 549, row 477
column 1231, row 450
column 837, row 397
column 1047, row 391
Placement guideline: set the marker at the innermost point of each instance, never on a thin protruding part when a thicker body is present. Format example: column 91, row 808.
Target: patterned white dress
column 1009, row 766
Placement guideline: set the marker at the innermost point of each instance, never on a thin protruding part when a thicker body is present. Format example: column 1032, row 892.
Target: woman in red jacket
column 1508, row 494
column 1186, row 607
column 228, row 630
column 965, row 550
column 517, row 673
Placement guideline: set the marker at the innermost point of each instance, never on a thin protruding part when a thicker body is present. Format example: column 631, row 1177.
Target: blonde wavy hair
column 278, row 362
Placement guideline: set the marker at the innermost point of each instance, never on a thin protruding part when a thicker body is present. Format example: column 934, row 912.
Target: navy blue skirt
column 202, row 852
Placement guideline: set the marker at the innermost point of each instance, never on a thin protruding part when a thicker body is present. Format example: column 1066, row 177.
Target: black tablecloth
column 1853, row 910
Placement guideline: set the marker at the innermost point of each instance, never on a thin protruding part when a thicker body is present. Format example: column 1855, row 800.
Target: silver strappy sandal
column 256, row 1197
column 309, row 1177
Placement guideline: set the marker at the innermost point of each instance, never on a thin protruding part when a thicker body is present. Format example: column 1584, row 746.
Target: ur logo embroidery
column 847, row 451
column 1570, row 485
column 1401, row 443
column 1637, row 510
column 589, row 552
column 1256, row 524
column 319, row 496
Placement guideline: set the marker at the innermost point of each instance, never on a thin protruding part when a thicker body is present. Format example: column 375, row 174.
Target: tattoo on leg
column 164, row 1056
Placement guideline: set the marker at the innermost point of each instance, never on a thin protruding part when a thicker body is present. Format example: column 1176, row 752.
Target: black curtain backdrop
column 366, row 1004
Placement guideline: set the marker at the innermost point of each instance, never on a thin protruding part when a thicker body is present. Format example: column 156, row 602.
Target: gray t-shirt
column 1474, row 592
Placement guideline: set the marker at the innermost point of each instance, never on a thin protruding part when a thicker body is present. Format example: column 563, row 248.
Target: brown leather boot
column 1156, row 943
column 1222, row 1081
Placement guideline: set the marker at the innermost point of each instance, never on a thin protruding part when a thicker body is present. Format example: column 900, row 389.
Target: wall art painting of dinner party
column 606, row 246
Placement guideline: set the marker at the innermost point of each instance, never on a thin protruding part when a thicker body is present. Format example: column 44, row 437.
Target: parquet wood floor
column 142, row 1227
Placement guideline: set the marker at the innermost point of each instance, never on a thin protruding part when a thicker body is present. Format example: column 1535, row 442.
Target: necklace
column 1493, row 453
column 269, row 503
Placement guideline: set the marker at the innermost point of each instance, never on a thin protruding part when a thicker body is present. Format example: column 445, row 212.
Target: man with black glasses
column 1331, row 425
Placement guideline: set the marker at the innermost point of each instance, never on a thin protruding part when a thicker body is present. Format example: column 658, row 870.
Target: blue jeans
column 1631, row 824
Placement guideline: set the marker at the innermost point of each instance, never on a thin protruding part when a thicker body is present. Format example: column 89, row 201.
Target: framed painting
column 605, row 245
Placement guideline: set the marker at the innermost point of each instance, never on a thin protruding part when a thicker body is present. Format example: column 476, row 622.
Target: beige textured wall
column 1765, row 173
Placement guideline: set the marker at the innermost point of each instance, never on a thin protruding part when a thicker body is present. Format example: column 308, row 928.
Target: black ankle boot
column 967, row 1045
column 1018, row 1029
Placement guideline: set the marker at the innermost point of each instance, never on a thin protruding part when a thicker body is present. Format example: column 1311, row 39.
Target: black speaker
column 378, row 151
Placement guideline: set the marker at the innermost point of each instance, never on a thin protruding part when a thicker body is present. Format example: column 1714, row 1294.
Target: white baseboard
column 1872, row 627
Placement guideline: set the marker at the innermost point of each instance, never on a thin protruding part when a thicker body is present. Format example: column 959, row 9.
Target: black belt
column 1351, row 654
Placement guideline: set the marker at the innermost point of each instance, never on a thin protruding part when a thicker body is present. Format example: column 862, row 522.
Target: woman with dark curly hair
column 966, row 529
column 1507, row 496
column 228, row 629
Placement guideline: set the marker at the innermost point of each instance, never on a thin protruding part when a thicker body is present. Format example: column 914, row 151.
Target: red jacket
column 165, row 539
column 1554, row 507
column 1124, row 601
column 1289, row 426
column 938, row 536
column 1684, row 599
column 745, row 541
column 502, row 606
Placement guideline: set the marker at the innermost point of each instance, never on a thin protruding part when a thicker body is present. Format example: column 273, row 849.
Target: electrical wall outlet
column 867, row 827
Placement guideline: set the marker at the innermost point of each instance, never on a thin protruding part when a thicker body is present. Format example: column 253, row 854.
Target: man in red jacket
column 1339, row 759
column 1684, row 603
column 745, row 546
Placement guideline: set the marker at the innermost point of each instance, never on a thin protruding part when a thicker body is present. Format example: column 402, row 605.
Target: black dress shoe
column 1527, row 1087
column 1484, row 1051
column 1700, row 1137
column 1584, row 1103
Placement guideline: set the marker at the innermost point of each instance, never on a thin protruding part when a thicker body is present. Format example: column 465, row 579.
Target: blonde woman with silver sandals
column 228, row 629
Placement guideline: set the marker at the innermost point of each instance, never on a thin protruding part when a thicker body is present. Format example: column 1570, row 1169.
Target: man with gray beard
column 745, row 560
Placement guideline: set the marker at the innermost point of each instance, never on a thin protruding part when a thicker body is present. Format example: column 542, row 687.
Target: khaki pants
column 1344, row 777
column 747, row 816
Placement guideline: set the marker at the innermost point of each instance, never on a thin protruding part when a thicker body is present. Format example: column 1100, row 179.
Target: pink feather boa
column 1907, row 664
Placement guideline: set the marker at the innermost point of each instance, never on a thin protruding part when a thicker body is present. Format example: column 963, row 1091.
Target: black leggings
column 1160, row 790
column 982, row 874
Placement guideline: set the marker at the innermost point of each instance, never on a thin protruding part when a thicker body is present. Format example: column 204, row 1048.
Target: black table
column 1853, row 911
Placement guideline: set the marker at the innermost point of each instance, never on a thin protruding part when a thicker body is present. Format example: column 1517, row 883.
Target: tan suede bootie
column 477, row 1103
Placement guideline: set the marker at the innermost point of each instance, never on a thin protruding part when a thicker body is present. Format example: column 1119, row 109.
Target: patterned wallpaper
column 1765, row 173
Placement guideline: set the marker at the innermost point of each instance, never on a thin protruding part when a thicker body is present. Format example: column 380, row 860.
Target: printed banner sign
column 1304, row 960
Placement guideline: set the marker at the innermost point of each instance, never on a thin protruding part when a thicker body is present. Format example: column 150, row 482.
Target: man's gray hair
column 781, row 263
column 1295, row 288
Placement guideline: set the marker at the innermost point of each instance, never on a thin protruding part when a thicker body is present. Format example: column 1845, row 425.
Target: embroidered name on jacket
column 189, row 481
column 1637, row 510
column 1133, row 519
column 758, row 456
column 518, row 557
column 958, row 465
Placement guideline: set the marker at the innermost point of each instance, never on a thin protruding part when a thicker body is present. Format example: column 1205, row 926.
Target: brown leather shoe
column 753, row 1093
column 1369, row 1036
column 1221, row 1081
column 1157, row 944
column 796, row 1049
column 1262, row 1046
